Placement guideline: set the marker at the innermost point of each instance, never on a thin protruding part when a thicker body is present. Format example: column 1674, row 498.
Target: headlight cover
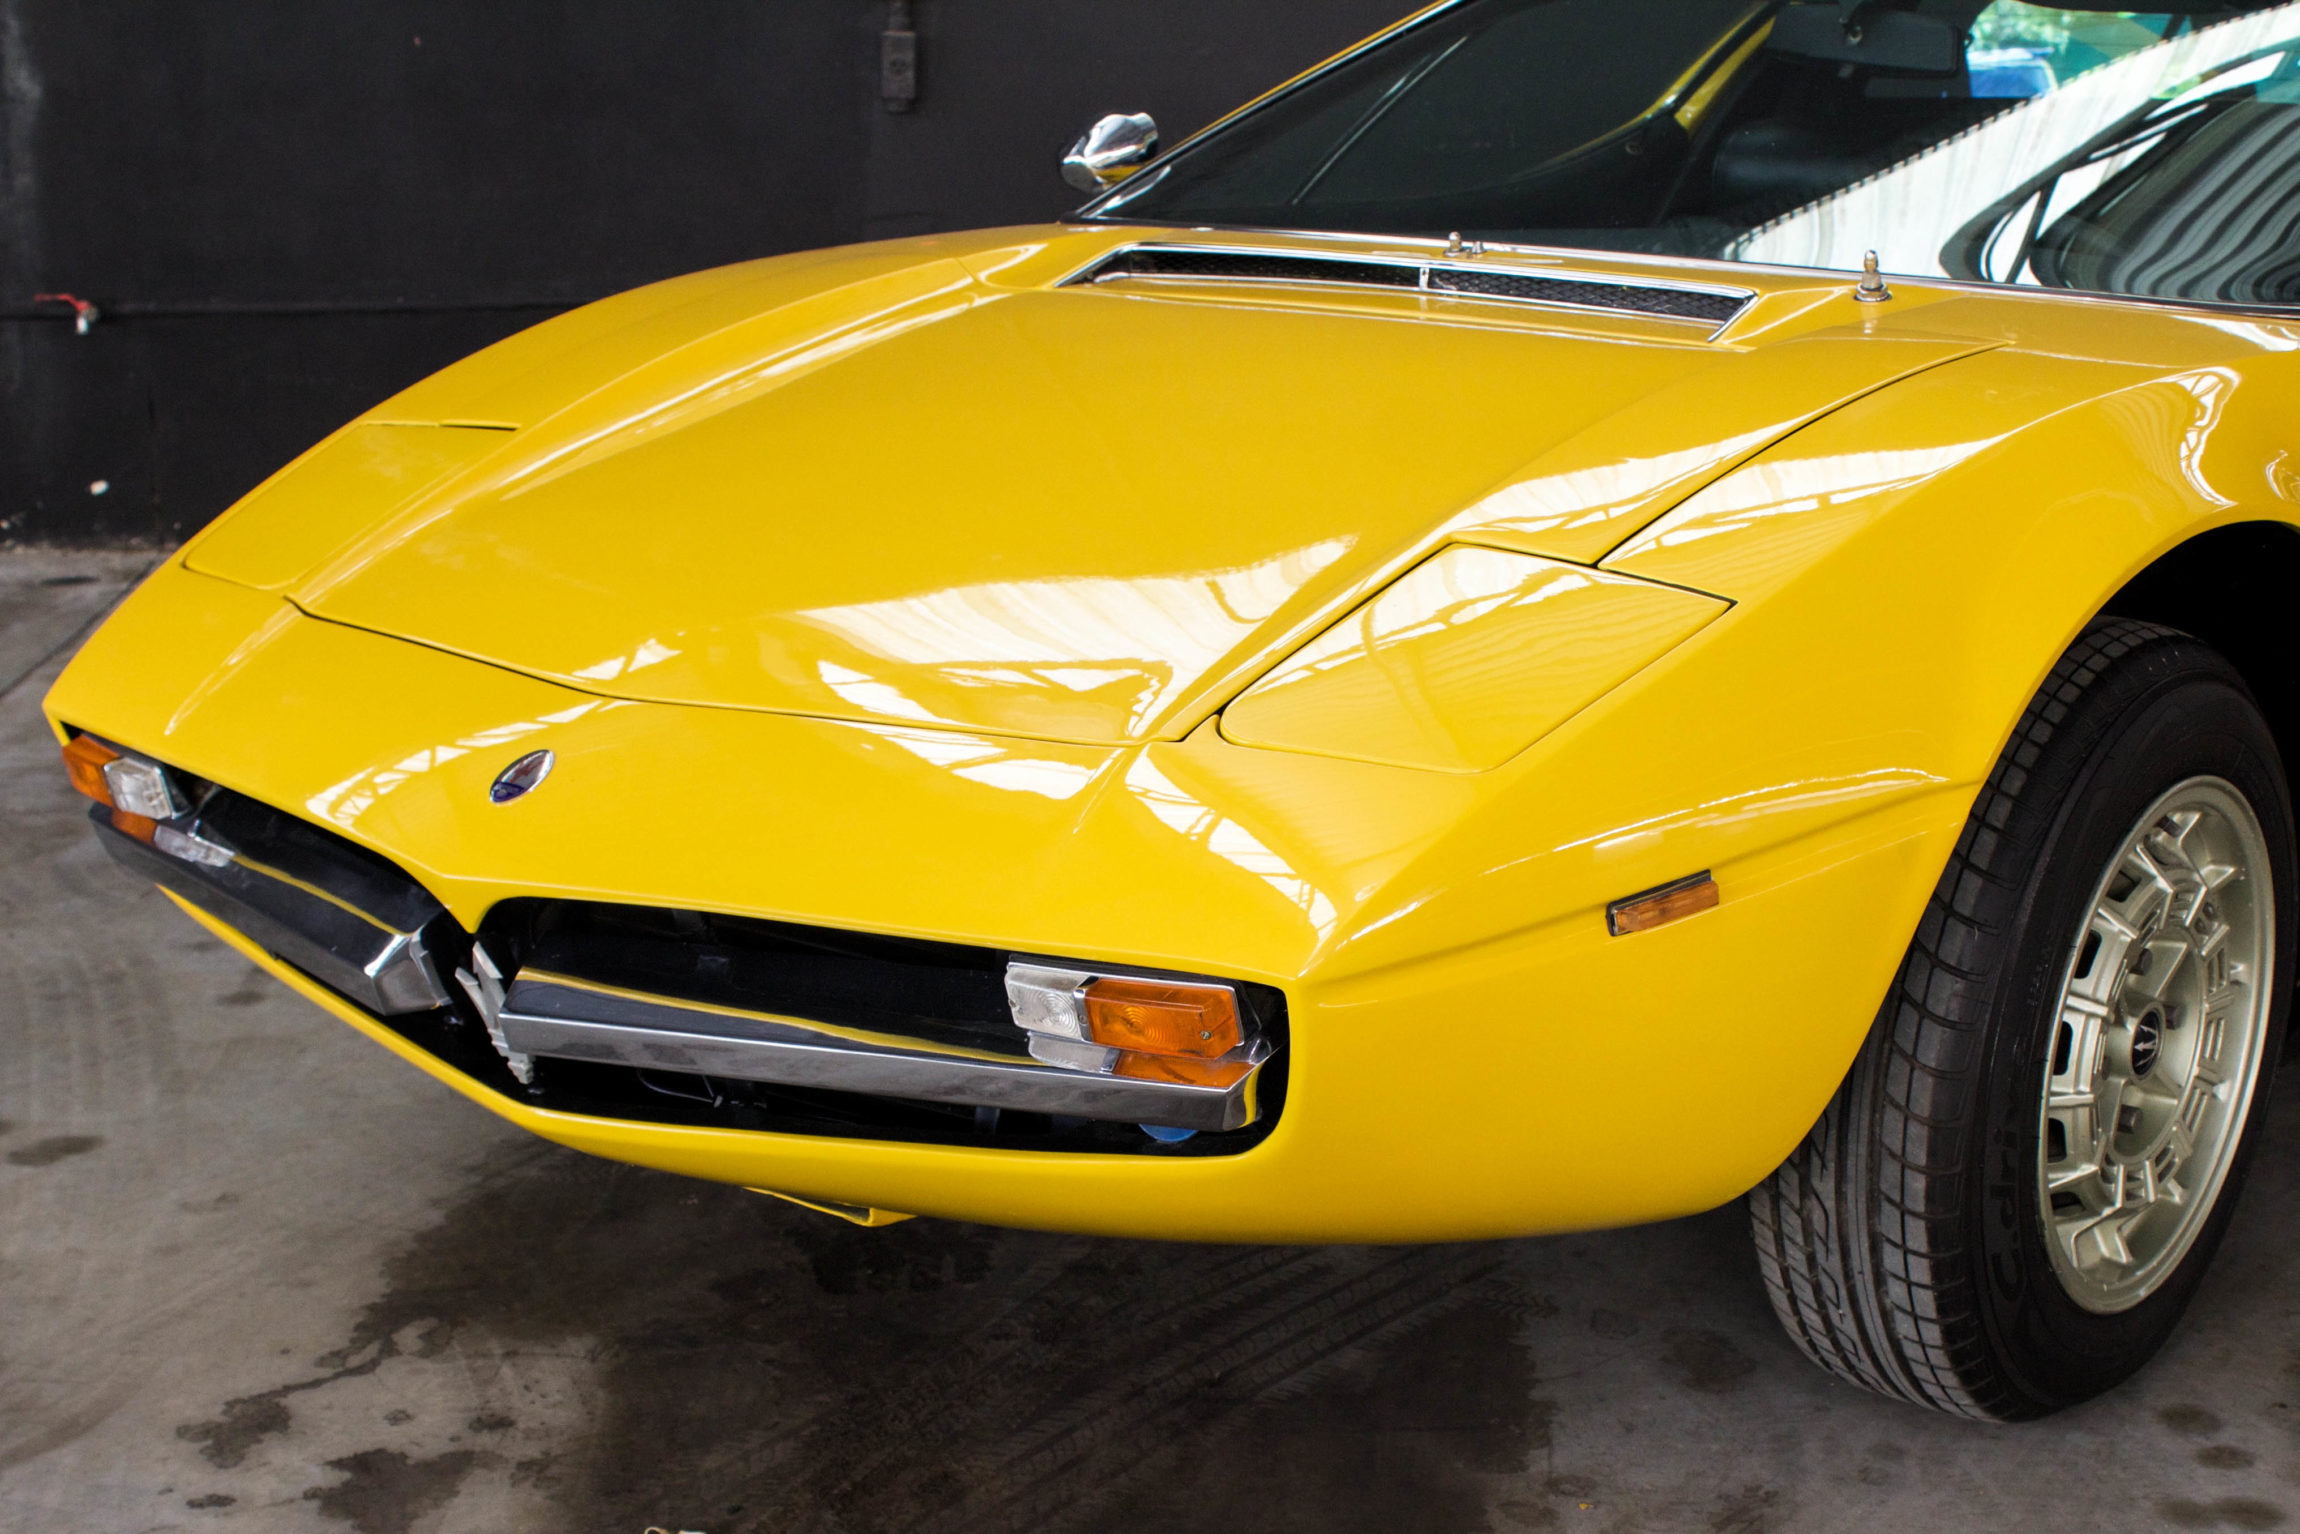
column 1464, row 661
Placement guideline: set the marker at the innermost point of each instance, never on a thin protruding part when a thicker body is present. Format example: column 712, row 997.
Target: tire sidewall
column 2180, row 714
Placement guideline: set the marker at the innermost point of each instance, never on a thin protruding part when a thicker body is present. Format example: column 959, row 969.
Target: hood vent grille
column 1711, row 306
column 1237, row 266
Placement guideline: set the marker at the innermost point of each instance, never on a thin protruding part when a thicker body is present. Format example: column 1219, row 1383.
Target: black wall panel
column 289, row 209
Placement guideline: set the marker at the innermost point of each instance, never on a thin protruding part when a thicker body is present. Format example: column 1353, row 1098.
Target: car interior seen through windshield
column 2151, row 153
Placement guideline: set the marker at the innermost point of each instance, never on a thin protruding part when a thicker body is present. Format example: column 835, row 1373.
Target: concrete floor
column 256, row 1275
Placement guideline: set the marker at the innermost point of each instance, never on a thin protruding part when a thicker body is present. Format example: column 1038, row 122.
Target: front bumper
column 557, row 1017
column 367, row 931
column 350, row 922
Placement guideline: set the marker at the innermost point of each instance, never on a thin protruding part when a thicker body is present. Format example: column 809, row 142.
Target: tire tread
column 1857, row 1233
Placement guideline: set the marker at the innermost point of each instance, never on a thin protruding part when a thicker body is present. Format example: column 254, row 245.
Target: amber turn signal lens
column 1658, row 907
column 1136, row 1066
column 84, row 761
column 1161, row 1018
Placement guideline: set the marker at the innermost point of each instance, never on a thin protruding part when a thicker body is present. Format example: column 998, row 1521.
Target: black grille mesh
column 1227, row 264
column 1469, row 282
column 1676, row 303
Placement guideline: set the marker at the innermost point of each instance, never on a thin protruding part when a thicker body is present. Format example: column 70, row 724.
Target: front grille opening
column 939, row 991
column 1458, row 279
column 932, row 990
column 677, row 1097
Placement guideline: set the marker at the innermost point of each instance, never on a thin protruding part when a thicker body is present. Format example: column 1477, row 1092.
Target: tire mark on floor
column 1092, row 1451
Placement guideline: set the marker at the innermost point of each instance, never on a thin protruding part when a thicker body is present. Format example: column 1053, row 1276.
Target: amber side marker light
column 1658, row 907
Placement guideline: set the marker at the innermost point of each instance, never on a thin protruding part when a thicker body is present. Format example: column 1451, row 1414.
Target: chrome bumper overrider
column 366, row 943
column 556, row 1016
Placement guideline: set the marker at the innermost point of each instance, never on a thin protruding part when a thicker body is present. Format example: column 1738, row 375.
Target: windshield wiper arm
column 1374, row 114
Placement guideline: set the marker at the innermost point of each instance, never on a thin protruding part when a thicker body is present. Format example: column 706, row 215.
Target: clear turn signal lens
column 142, row 788
column 1160, row 1017
column 1047, row 1001
column 84, row 761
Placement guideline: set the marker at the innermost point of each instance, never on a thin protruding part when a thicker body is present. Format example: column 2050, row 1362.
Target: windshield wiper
column 1374, row 114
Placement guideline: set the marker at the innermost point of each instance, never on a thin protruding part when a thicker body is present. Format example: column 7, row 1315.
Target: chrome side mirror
column 1110, row 151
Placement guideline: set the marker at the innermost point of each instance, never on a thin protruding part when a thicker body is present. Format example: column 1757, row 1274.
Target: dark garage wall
column 289, row 209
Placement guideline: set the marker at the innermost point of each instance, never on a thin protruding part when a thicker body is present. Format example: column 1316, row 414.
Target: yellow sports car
column 1451, row 657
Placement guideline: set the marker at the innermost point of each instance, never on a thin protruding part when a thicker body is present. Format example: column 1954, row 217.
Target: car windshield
column 2152, row 153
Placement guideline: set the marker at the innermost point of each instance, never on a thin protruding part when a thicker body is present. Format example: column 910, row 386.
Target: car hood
column 943, row 487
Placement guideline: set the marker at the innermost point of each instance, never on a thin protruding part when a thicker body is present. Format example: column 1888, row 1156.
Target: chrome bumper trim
column 543, row 1017
column 378, row 962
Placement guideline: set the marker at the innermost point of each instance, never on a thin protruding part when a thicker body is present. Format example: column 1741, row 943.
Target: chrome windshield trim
column 554, row 1019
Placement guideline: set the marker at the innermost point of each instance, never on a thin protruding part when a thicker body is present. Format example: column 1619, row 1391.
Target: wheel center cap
column 2147, row 1043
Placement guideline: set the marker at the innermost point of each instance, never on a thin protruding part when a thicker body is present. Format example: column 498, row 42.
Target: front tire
column 2020, row 1183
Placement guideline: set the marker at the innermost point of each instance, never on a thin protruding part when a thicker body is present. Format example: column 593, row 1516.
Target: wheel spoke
column 2070, row 1178
column 2156, row 964
column 2159, row 1027
column 2153, row 1096
column 2109, row 1237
